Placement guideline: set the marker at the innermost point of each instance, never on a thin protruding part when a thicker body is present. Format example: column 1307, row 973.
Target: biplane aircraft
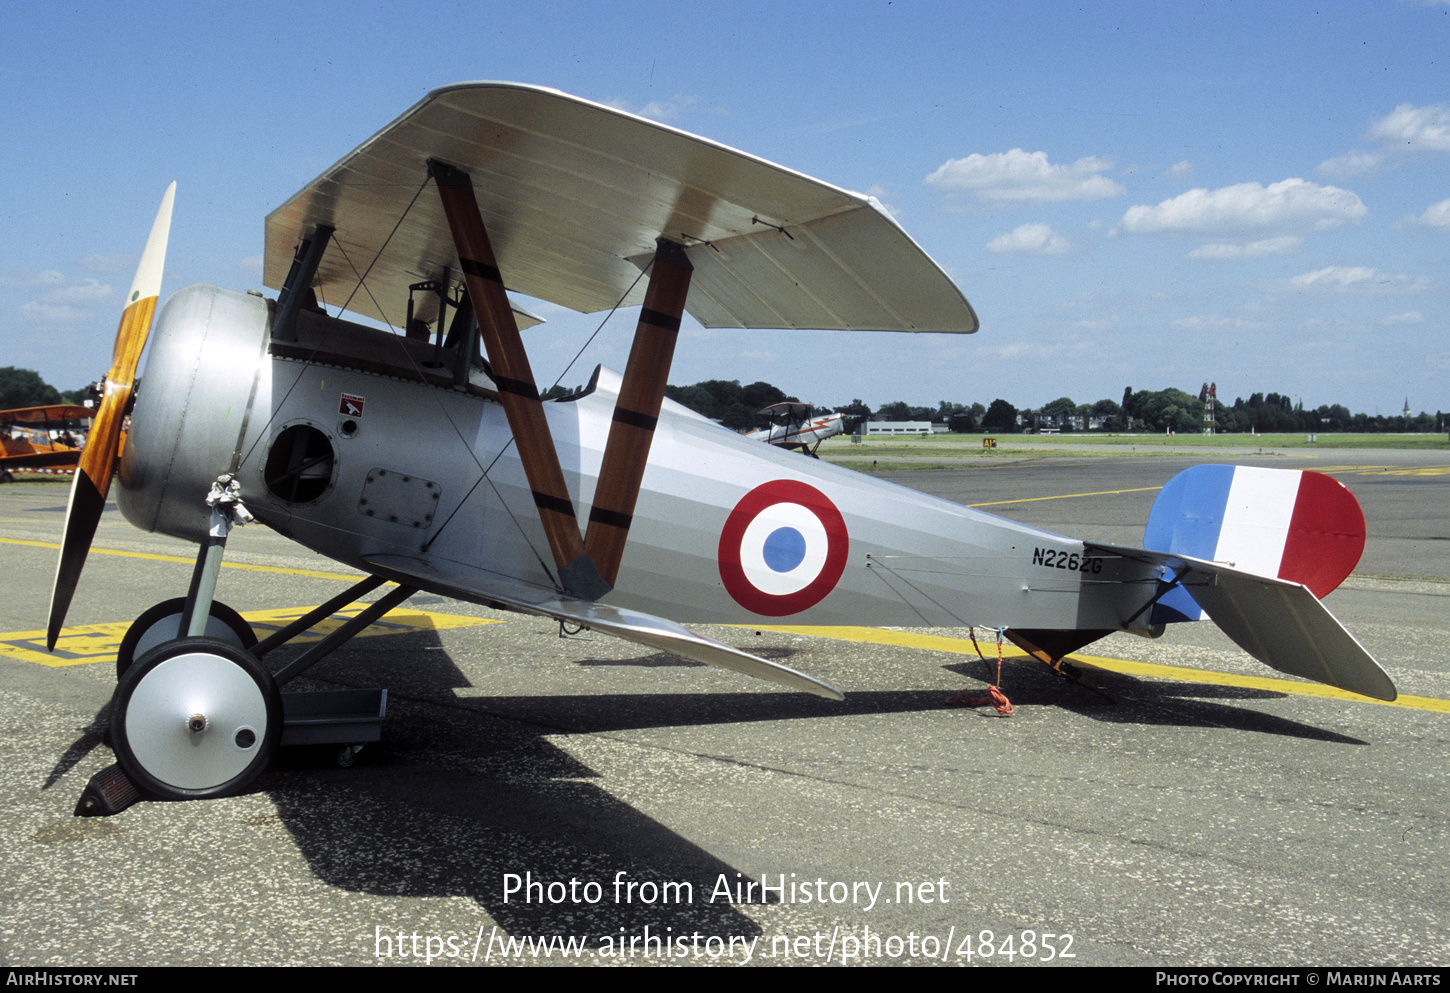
column 793, row 427
column 425, row 456
column 39, row 437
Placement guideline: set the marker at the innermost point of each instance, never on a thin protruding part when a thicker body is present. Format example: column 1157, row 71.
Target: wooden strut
column 638, row 409
column 588, row 565
column 511, row 372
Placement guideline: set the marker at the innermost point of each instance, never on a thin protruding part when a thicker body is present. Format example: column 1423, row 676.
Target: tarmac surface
column 538, row 799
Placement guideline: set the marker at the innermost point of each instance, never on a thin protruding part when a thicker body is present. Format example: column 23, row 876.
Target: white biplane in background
column 794, row 427
column 422, row 459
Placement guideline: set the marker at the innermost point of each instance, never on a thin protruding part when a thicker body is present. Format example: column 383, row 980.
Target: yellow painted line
column 963, row 646
column 1064, row 496
column 349, row 577
column 89, row 643
column 887, row 636
column 1389, row 470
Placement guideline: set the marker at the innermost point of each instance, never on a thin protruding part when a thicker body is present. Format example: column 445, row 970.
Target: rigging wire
column 617, row 304
column 485, row 470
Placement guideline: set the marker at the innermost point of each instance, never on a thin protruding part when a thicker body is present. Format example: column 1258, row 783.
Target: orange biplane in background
column 40, row 437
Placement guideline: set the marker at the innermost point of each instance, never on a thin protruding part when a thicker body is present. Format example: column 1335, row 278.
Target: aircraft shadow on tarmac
column 464, row 792
column 460, row 795
column 1126, row 699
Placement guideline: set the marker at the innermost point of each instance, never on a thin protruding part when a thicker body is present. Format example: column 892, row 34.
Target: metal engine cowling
column 201, row 381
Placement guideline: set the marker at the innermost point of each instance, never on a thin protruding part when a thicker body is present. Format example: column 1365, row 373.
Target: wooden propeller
column 98, row 460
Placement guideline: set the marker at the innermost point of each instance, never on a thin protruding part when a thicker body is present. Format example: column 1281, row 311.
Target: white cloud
column 1350, row 165
column 47, row 277
column 86, row 292
column 1034, row 350
column 1225, row 251
column 1408, row 317
column 1295, row 204
column 1030, row 239
column 1097, row 323
column 52, row 313
column 1437, row 216
column 1019, row 177
column 1184, row 168
column 1336, row 275
column 1414, row 129
column 251, row 267
column 657, row 110
column 1358, row 276
column 1215, row 324
column 1405, row 130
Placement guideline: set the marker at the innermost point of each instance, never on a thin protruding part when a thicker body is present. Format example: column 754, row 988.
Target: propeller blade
column 98, row 461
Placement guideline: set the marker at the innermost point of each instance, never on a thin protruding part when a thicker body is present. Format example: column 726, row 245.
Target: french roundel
column 783, row 548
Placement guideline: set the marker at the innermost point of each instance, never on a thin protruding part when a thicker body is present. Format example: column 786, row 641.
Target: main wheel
column 162, row 623
column 195, row 718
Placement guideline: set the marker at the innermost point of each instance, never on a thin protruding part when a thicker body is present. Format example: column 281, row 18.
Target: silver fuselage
column 353, row 442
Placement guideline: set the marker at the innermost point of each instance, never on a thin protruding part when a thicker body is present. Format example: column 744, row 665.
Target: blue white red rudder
column 1303, row 527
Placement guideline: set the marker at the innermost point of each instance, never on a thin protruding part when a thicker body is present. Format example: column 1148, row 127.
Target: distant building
column 873, row 429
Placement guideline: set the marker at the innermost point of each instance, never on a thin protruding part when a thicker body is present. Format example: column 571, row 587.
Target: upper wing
column 574, row 195
column 42, row 415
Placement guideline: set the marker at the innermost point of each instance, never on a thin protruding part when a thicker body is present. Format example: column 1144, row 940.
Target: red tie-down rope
column 994, row 697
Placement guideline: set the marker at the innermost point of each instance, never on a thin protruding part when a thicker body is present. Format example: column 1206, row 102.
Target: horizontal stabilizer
column 1280, row 623
column 478, row 586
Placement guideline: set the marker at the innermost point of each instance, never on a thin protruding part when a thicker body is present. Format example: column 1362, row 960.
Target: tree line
column 737, row 407
column 1158, row 411
column 25, row 388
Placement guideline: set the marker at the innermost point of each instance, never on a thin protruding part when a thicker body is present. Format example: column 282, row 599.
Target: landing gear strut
column 162, row 623
column 196, row 715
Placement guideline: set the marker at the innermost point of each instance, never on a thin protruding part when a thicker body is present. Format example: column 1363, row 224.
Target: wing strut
column 587, row 565
column 511, row 371
column 299, row 281
column 638, row 408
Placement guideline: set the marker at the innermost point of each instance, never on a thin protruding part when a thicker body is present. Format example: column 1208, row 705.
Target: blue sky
column 1130, row 194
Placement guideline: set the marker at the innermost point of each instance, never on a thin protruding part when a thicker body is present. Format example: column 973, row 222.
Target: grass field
column 946, row 451
column 1426, row 441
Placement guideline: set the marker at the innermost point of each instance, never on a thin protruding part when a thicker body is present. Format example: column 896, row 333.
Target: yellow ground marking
column 1386, row 470
column 1065, row 496
column 1423, row 470
column 1362, row 470
column 350, row 577
column 85, row 644
column 963, row 646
